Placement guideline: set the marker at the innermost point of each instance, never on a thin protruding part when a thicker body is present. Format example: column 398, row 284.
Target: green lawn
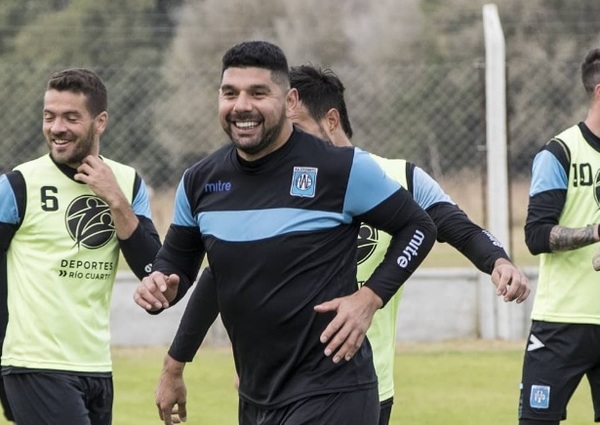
column 453, row 383
column 467, row 383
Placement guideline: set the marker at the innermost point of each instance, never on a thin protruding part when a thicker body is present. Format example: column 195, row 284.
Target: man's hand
column 171, row 393
column 347, row 330
column 100, row 178
column 510, row 282
column 156, row 291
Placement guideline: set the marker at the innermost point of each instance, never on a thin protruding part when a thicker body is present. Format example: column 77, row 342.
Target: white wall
column 438, row 304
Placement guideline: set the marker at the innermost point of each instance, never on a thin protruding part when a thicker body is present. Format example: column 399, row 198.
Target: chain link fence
column 163, row 120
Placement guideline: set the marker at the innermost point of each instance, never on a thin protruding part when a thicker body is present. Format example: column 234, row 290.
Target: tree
column 124, row 45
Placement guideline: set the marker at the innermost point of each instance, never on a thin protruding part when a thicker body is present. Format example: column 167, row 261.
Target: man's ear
column 332, row 120
column 291, row 100
column 100, row 122
column 597, row 91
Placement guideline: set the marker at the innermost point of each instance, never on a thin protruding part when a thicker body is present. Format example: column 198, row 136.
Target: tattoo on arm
column 565, row 239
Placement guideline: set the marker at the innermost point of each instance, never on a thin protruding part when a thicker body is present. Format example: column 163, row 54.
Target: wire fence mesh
column 164, row 119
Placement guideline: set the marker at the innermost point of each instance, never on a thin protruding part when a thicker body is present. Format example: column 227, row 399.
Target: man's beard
column 81, row 149
column 267, row 140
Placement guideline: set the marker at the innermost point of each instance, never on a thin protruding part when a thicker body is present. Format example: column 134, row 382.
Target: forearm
column 200, row 313
column 475, row 243
column 566, row 239
column 372, row 300
column 124, row 218
column 413, row 235
column 181, row 253
column 141, row 247
column 484, row 252
column 543, row 214
column 172, row 367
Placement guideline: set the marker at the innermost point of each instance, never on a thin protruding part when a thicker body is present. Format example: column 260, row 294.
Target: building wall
column 437, row 305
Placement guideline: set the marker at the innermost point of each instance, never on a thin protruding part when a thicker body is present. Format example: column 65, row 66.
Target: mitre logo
column 412, row 249
column 89, row 222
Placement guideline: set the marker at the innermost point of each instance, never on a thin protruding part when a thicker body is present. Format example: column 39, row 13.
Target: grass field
column 450, row 383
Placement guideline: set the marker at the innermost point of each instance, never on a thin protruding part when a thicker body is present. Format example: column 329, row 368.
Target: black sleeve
column 543, row 213
column 545, row 208
column 7, row 231
column 6, row 234
column 200, row 313
column 141, row 247
column 181, row 254
column 455, row 228
column 413, row 235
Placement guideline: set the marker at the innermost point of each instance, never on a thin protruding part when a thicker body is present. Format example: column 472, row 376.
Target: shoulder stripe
column 368, row 184
column 19, row 192
column 561, row 151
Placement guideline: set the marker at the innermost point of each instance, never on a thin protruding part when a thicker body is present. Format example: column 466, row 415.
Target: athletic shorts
column 6, row 410
column 55, row 398
column 557, row 356
column 348, row 408
column 385, row 411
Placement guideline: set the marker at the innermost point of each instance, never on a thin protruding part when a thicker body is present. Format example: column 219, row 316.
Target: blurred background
column 413, row 70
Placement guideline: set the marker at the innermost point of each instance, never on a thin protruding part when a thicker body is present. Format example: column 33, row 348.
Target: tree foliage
column 108, row 36
column 413, row 69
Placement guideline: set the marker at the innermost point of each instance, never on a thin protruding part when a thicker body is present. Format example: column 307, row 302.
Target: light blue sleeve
column 141, row 203
column 9, row 213
column 368, row 184
column 182, row 213
column 427, row 191
column 547, row 174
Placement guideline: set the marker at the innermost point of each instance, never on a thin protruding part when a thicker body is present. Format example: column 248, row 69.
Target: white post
column 508, row 323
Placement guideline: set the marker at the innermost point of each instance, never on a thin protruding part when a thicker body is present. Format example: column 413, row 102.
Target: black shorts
column 348, row 408
column 557, row 356
column 55, row 398
column 8, row 414
column 385, row 411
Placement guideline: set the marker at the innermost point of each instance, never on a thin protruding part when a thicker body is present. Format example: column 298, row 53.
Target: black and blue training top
column 280, row 237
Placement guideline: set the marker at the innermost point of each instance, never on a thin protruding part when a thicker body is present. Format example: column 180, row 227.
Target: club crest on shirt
column 89, row 222
column 304, row 182
column 368, row 237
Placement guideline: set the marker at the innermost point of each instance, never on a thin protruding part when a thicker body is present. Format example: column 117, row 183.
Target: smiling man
column 63, row 219
column 281, row 244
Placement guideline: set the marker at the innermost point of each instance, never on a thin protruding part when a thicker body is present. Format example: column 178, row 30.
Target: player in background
column 63, row 219
column 562, row 228
column 322, row 111
column 279, row 230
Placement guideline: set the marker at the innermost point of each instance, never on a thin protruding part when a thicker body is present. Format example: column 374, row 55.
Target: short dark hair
column 590, row 70
column 259, row 54
column 320, row 90
column 81, row 80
